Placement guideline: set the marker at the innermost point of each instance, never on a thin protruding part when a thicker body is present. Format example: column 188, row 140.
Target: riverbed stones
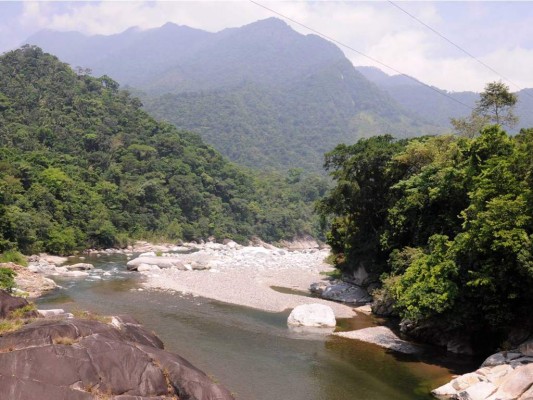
column 161, row 262
column 29, row 283
column 382, row 336
column 312, row 315
column 503, row 376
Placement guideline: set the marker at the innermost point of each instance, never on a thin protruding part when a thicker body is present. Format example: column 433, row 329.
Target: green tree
column 495, row 106
column 496, row 102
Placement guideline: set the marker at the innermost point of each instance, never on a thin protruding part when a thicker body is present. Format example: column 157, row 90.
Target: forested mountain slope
column 426, row 103
column 263, row 94
column 82, row 165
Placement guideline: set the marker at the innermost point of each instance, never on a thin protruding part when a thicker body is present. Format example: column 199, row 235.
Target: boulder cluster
column 503, row 376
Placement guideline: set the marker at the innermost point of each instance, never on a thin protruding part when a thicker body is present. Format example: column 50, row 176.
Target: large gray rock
column 312, row 315
column 500, row 358
column 86, row 359
column 347, row 293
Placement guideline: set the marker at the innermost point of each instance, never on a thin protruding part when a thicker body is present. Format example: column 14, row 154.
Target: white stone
column 314, row 315
column 76, row 274
column 148, row 254
column 147, row 267
column 51, row 313
column 445, row 391
column 79, row 267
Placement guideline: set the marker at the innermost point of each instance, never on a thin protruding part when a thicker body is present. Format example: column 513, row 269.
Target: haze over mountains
column 263, row 94
column 425, row 103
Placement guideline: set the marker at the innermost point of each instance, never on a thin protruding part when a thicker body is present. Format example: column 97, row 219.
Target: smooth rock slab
column 478, row 391
column 312, row 315
column 80, row 359
column 382, row 336
column 516, row 383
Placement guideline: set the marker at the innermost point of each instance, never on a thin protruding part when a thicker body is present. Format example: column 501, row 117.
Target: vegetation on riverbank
column 81, row 165
column 447, row 222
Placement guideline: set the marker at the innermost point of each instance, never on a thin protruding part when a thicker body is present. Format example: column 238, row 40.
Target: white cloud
column 375, row 28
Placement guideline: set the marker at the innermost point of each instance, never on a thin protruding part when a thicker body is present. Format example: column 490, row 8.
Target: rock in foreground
column 312, row 315
column 87, row 359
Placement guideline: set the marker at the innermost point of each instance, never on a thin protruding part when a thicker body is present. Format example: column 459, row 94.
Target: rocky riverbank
column 82, row 359
column 503, row 376
column 29, row 283
column 242, row 275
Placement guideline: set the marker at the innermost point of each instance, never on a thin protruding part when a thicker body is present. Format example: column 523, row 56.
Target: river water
column 253, row 353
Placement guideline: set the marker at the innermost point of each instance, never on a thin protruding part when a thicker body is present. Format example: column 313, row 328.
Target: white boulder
column 313, row 315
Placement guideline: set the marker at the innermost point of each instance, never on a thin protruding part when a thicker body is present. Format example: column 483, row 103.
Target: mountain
column 262, row 94
column 424, row 102
column 81, row 165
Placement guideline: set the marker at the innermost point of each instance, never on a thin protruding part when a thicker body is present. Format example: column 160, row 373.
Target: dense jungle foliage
column 81, row 165
column 447, row 221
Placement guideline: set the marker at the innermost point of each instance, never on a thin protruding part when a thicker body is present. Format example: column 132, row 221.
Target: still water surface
column 253, row 353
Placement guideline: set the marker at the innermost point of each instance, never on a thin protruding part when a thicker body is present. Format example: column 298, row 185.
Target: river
column 252, row 352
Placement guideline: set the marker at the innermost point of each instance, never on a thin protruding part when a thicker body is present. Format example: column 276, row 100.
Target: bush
column 7, row 279
column 14, row 257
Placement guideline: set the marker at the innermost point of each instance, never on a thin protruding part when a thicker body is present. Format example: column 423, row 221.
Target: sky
column 500, row 34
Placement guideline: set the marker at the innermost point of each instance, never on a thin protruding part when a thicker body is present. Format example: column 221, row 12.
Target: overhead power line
column 457, row 46
column 331, row 39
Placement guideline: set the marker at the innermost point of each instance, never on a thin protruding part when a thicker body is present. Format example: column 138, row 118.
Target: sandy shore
column 244, row 276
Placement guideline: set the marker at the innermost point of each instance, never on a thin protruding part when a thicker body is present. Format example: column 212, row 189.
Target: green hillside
column 288, row 126
column 82, row 165
column 263, row 94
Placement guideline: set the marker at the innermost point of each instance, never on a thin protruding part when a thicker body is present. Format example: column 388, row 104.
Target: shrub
column 14, row 257
column 7, row 279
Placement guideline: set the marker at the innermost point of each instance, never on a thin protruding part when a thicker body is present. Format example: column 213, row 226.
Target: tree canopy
column 446, row 220
column 82, row 165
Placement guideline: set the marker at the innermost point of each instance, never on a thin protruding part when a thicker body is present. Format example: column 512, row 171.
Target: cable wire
column 331, row 39
column 457, row 46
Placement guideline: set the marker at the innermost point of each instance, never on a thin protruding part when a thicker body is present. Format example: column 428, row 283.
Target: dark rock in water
column 346, row 293
column 439, row 334
column 8, row 304
column 87, row 359
column 318, row 287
